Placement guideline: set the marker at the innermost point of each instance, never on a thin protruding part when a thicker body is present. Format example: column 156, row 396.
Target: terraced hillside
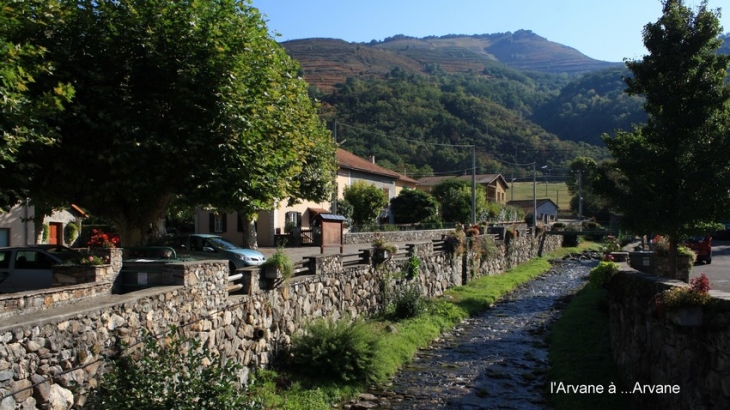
column 326, row 62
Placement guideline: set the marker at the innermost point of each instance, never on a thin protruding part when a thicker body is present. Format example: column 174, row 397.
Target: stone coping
column 56, row 315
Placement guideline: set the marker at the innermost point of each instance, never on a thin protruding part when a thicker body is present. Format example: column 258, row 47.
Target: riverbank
column 405, row 338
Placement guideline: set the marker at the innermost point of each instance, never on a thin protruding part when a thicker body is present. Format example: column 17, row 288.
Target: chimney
column 372, row 158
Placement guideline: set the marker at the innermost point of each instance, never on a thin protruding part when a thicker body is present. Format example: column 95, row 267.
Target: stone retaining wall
column 395, row 236
column 651, row 349
column 46, row 352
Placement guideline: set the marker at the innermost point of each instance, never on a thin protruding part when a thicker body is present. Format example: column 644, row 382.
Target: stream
column 497, row 360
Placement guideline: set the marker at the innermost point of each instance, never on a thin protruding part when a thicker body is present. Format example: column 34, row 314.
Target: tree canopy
column 454, row 195
column 671, row 175
column 175, row 99
column 412, row 206
column 367, row 200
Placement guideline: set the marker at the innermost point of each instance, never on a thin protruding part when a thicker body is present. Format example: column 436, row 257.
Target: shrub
column 408, row 302
column 341, row 351
column 175, row 374
column 488, row 248
column 696, row 294
column 281, row 261
column 413, row 267
column 602, row 273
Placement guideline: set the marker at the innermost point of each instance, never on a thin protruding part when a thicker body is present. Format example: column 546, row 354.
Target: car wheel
column 709, row 260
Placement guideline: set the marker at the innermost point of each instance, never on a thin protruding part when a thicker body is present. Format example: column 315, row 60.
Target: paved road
column 719, row 270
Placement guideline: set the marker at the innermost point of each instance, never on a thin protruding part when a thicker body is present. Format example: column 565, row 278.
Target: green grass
column 402, row 339
column 556, row 191
column 580, row 354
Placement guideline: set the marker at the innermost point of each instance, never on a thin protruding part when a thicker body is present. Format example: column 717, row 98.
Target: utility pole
column 473, row 185
column 534, row 199
column 580, row 194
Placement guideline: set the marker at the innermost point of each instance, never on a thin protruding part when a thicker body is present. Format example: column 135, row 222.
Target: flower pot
column 381, row 255
column 687, row 316
column 272, row 272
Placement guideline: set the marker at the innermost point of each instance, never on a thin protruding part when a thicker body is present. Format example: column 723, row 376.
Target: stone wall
column 651, row 349
column 396, row 236
column 44, row 353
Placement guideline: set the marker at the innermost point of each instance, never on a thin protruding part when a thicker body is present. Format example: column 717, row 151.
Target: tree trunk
column 249, row 234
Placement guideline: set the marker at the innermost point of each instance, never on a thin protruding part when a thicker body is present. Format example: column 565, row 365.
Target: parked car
column 701, row 246
column 209, row 246
column 29, row 267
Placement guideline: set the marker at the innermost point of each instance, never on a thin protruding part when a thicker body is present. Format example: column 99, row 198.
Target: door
column 55, row 233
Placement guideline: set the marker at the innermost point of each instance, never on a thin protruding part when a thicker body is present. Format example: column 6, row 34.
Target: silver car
column 29, row 267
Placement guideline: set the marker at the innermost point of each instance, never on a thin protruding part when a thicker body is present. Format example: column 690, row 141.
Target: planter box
column 272, row 272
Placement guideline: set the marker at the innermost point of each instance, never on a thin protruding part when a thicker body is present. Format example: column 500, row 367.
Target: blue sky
column 601, row 29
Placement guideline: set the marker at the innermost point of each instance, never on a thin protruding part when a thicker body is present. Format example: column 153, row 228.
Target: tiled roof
column 481, row 179
column 351, row 161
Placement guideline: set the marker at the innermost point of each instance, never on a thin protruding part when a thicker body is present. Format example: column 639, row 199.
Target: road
column 718, row 272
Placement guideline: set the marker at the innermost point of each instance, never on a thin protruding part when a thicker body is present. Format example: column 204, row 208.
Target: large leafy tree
column 454, row 195
column 671, row 175
column 176, row 99
column 23, row 113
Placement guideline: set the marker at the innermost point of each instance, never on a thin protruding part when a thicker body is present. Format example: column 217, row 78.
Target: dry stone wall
column 690, row 364
column 43, row 353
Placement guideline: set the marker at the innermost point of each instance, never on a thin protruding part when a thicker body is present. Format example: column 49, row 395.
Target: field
column 556, row 191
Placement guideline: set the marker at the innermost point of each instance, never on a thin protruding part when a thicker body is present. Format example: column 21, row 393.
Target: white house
column 17, row 227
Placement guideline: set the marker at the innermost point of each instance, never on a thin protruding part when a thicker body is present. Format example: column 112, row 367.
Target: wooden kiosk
column 332, row 227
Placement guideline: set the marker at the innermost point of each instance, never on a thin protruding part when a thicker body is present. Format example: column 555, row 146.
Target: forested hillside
column 418, row 105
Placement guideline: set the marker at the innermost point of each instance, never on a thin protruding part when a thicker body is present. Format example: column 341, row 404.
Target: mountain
column 326, row 62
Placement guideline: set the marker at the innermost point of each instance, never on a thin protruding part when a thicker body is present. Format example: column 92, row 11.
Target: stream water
column 497, row 360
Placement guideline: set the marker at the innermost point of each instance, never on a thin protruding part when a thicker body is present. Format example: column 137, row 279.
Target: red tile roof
column 348, row 160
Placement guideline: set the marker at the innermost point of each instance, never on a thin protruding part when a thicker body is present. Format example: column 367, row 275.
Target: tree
column 454, row 195
column 22, row 112
column 180, row 99
column 671, row 176
column 412, row 206
column 367, row 200
column 583, row 178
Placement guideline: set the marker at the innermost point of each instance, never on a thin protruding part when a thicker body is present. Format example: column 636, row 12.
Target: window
column 5, row 259
column 4, row 237
column 217, row 222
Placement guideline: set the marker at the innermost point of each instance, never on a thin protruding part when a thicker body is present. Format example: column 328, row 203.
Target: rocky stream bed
column 497, row 360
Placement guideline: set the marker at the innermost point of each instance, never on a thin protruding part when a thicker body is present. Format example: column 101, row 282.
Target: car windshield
column 222, row 243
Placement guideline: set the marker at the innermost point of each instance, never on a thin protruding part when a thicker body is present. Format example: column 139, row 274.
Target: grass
column 401, row 340
column 556, row 191
column 580, row 354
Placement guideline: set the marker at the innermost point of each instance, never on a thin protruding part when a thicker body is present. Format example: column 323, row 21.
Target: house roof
column 527, row 203
column 481, row 179
column 348, row 160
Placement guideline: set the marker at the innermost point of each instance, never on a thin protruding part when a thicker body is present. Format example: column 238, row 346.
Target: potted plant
column 684, row 304
column 278, row 265
column 455, row 241
column 382, row 250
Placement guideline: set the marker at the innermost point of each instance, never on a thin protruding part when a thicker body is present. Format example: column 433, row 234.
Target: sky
column 601, row 29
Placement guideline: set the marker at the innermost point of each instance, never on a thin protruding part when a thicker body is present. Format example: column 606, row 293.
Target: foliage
column 366, row 199
column 601, row 274
column 488, row 247
column 338, row 351
column 407, row 302
column 282, row 262
column 170, row 373
column 696, row 294
column 412, row 206
column 613, row 244
column 26, row 108
column 454, row 195
column 455, row 241
column 345, row 209
column 91, row 260
column 101, row 239
column 509, row 234
column 380, row 243
column 193, row 102
column 413, row 267
column 658, row 178
column 71, row 232
column 583, row 177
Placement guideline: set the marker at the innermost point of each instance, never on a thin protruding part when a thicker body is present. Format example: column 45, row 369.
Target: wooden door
column 55, row 233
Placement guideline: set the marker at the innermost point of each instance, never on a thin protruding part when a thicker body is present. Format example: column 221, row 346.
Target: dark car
column 701, row 246
column 26, row 268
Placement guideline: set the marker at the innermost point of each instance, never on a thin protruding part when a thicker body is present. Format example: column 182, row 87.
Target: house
column 17, row 228
column 494, row 184
column 271, row 224
column 547, row 210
